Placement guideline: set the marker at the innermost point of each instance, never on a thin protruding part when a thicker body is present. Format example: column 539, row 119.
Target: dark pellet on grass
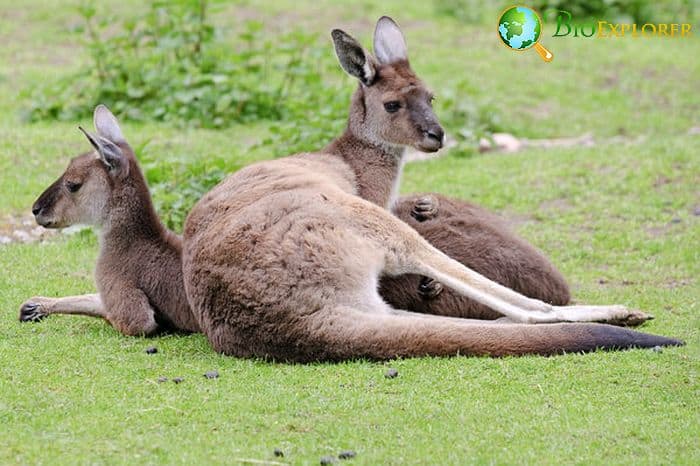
column 278, row 453
column 326, row 460
column 346, row 455
column 178, row 379
column 675, row 220
column 391, row 373
column 211, row 375
column 151, row 350
column 162, row 379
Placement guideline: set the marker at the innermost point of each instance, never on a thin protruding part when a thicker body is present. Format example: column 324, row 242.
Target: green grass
column 73, row 391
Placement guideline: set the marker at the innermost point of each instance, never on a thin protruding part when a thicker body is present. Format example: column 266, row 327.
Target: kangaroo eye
column 392, row 106
column 73, row 187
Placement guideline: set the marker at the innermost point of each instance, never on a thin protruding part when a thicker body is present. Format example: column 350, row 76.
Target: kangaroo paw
column 633, row 319
column 429, row 288
column 425, row 208
column 31, row 312
column 615, row 315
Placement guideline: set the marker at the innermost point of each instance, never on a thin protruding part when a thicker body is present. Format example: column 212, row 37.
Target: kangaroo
column 138, row 272
column 282, row 259
column 483, row 242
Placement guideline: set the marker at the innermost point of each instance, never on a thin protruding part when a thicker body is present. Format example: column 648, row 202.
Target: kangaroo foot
column 633, row 319
column 429, row 288
column 425, row 208
column 615, row 314
column 31, row 311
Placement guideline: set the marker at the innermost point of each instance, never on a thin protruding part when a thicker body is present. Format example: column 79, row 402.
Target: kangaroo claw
column 429, row 288
column 31, row 312
column 425, row 208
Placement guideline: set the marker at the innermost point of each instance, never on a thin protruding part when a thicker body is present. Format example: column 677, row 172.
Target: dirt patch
column 23, row 229
column 16, row 229
column 661, row 180
column 556, row 205
column 516, row 219
column 658, row 231
column 678, row 283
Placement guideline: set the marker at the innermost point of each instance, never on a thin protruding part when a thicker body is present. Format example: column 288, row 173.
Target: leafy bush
column 469, row 11
column 178, row 184
column 467, row 121
column 631, row 11
column 171, row 65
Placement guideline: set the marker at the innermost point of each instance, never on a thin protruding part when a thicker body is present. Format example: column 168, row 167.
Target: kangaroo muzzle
column 433, row 139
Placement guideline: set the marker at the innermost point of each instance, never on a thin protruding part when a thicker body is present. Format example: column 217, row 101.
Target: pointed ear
column 355, row 60
column 106, row 124
column 389, row 43
column 110, row 154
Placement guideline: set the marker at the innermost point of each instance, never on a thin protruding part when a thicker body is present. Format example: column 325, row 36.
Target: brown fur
column 465, row 232
column 138, row 272
column 483, row 242
column 282, row 259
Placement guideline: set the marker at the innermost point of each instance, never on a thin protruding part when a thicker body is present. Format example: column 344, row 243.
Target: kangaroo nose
column 436, row 133
column 36, row 210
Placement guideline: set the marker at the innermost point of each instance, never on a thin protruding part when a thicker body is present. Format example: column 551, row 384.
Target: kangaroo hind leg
column 407, row 252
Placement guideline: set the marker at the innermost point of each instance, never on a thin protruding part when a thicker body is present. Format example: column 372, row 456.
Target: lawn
column 621, row 219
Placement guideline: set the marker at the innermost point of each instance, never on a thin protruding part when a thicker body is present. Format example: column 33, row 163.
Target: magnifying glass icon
column 519, row 27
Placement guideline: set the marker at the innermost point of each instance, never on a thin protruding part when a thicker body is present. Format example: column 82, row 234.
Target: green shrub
column 628, row 11
column 172, row 65
column 637, row 11
column 178, row 184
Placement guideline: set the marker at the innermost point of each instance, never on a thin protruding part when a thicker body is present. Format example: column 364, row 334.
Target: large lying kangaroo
column 465, row 232
column 282, row 259
column 138, row 273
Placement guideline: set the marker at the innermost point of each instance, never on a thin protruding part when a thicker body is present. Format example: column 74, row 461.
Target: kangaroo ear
column 106, row 124
column 110, row 154
column 355, row 60
column 389, row 43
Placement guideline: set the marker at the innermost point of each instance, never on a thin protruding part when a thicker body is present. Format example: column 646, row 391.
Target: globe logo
column 519, row 27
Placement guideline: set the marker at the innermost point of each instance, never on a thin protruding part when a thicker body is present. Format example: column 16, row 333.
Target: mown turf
column 619, row 219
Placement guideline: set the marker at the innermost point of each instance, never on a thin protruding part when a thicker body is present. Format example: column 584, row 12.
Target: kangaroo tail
column 350, row 334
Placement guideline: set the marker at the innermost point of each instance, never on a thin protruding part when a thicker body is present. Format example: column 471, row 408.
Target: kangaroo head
column 83, row 191
column 392, row 105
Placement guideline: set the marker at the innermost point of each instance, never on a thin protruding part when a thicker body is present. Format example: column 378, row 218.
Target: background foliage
column 171, row 65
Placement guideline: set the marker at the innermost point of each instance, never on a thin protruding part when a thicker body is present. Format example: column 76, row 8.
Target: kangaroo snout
column 43, row 207
column 433, row 139
column 39, row 211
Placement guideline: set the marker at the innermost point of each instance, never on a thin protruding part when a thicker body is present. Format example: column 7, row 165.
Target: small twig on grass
column 253, row 461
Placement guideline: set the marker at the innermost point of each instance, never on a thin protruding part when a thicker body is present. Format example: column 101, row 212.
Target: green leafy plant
column 467, row 121
column 171, row 65
column 178, row 184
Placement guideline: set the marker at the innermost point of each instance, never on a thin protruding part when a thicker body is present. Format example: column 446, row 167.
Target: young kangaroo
column 139, row 272
column 282, row 259
column 483, row 242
